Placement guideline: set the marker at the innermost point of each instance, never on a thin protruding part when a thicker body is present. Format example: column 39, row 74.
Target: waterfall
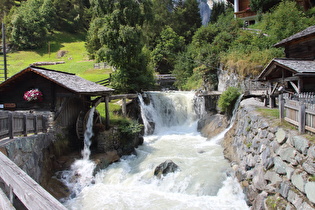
column 203, row 180
column 88, row 134
column 169, row 110
column 80, row 174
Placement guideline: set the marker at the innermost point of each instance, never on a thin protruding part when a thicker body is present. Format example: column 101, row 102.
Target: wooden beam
column 286, row 79
column 274, row 89
column 97, row 101
column 29, row 192
column 295, row 87
column 113, row 97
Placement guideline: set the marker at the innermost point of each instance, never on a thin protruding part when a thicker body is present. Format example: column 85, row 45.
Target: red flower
column 33, row 95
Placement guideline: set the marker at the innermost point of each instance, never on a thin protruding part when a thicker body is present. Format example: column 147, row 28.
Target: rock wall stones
column 275, row 166
column 31, row 154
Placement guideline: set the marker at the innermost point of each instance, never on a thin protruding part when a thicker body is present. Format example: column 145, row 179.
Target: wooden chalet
column 243, row 11
column 66, row 95
column 296, row 72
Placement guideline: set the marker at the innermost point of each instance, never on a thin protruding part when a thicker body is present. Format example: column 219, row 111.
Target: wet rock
column 166, row 167
column 57, row 189
column 102, row 160
column 211, row 126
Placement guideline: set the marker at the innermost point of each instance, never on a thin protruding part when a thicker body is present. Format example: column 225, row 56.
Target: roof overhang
column 298, row 68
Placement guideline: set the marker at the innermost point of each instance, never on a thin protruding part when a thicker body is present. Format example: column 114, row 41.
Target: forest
column 141, row 38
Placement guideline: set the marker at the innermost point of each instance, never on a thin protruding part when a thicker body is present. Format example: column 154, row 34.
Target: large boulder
column 164, row 168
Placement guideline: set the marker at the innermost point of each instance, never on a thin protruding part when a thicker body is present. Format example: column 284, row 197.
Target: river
column 203, row 181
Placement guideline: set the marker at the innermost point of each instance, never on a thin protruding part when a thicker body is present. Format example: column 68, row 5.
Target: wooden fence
column 298, row 109
column 29, row 192
column 21, row 124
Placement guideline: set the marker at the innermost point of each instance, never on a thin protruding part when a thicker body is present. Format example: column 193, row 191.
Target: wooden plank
column 5, row 203
column 291, row 121
column 123, row 96
column 291, row 107
column 29, row 192
column 310, row 129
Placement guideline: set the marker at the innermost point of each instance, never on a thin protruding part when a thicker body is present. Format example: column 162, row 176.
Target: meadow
column 75, row 56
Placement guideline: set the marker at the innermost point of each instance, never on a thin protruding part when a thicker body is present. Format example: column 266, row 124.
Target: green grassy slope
column 76, row 57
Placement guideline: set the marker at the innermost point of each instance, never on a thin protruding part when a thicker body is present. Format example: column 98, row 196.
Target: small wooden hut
column 66, row 95
column 296, row 72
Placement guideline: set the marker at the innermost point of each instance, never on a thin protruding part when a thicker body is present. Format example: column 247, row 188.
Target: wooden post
column 271, row 99
column 24, row 125
column 281, row 107
column 302, row 118
column 11, row 125
column 35, row 124
column 107, row 112
column 124, row 108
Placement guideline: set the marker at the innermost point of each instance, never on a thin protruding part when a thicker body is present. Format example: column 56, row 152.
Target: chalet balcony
column 245, row 13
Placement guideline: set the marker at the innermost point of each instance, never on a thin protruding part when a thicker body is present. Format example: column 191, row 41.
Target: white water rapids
column 200, row 183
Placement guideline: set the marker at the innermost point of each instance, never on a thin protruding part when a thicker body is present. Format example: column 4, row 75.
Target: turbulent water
column 200, row 183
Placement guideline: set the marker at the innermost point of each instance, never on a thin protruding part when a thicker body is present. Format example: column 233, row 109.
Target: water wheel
column 82, row 120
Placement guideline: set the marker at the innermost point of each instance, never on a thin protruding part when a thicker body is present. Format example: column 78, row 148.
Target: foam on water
column 202, row 181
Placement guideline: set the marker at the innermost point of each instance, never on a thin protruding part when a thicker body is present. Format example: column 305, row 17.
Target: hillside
column 69, row 48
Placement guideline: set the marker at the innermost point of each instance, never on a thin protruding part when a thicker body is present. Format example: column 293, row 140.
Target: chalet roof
column 297, row 67
column 310, row 31
column 67, row 80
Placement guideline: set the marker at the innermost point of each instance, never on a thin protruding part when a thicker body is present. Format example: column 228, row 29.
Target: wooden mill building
column 296, row 72
column 66, row 95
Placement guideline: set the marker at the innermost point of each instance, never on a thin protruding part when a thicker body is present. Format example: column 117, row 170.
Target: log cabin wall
column 305, row 49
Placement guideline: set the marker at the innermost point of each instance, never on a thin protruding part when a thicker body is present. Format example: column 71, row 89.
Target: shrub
column 227, row 100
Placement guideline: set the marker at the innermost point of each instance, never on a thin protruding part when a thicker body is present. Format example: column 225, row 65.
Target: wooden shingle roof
column 297, row 67
column 67, row 80
column 308, row 32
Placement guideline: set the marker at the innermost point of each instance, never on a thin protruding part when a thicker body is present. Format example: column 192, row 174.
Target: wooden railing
column 299, row 110
column 21, row 124
column 29, row 192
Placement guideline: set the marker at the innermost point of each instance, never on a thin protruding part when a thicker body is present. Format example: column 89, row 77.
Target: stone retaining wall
column 30, row 154
column 275, row 166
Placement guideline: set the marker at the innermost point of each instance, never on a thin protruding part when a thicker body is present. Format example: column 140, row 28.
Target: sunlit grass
column 269, row 113
column 76, row 58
